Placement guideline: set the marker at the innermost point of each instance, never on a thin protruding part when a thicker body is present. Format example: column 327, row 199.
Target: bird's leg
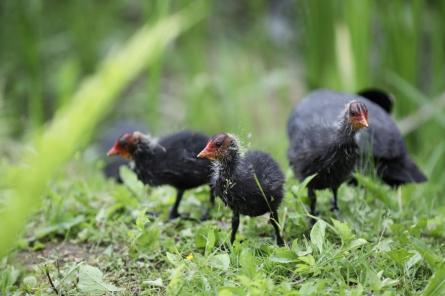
column 334, row 206
column 312, row 201
column 174, row 209
column 276, row 225
column 312, row 204
column 235, row 225
column 206, row 216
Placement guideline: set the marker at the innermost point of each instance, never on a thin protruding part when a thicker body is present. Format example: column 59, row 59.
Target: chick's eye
column 218, row 144
column 354, row 113
column 123, row 144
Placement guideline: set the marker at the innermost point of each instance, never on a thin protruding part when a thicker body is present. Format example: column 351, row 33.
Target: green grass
column 385, row 247
column 224, row 74
column 27, row 181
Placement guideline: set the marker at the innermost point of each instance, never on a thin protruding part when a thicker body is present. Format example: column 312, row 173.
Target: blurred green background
column 240, row 69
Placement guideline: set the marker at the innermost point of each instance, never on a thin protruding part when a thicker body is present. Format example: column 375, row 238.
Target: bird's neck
column 345, row 132
column 228, row 163
column 146, row 154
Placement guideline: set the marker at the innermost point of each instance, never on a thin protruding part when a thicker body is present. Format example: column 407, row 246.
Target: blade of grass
column 428, row 111
column 155, row 71
column 74, row 123
column 436, row 284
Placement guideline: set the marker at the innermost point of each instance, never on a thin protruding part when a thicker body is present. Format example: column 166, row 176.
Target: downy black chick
column 170, row 160
column 250, row 184
column 381, row 145
column 327, row 150
column 108, row 137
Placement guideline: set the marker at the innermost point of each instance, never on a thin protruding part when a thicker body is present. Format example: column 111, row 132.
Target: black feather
column 381, row 141
column 172, row 161
column 250, row 184
column 379, row 97
column 108, row 137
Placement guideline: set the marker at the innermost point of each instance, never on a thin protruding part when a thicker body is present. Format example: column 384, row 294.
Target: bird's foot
column 152, row 214
column 173, row 215
column 280, row 242
column 334, row 208
column 206, row 216
column 314, row 213
column 313, row 220
column 226, row 247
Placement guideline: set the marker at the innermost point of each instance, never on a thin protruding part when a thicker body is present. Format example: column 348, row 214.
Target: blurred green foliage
column 73, row 124
column 240, row 70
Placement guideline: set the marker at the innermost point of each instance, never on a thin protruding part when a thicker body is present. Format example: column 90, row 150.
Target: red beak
column 363, row 122
column 207, row 153
column 113, row 151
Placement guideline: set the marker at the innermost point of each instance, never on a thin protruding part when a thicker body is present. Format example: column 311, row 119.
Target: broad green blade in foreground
column 73, row 125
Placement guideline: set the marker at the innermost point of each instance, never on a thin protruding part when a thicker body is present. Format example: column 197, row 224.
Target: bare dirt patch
column 62, row 252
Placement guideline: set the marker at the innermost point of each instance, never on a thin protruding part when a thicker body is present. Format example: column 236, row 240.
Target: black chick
column 325, row 149
column 107, row 139
column 170, row 160
column 381, row 143
column 250, row 184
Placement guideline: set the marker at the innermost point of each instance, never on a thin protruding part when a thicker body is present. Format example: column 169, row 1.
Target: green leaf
column 132, row 182
column 283, row 255
column 230, row 291
column 248, row 262
column 400, row 256
column 301, row 188
column 343, row 230
column 75, row 122
column 221, row 261
column 148, row 240
column 357, row 291
column 30, row 282
column 57, row 228
column 383, row 246
column 373, row 280
column 317, row 234
column 210, row 243
column 201, row 235
column 413, row 260
column 357, row 243
column 436, row 284
column 312, row 288
column 309, row 260
column 173, row 258
column 177, row 279
column 431, row 257
column 376, row 282
column 155, row 283
column 379, row 191
column 436, row 226
column 91, row 281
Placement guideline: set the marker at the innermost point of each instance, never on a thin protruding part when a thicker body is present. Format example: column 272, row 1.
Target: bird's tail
column 399, row 172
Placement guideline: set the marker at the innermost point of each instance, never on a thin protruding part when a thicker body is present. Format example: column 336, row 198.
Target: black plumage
column 312, row 130
column 322, row 148
column 250, row 184
column 170, row 160
column 106, row 140
column 379, row 97
column 381, row 142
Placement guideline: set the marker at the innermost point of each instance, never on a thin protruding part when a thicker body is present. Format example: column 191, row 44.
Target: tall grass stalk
column 74, row 123
column 156, row 11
